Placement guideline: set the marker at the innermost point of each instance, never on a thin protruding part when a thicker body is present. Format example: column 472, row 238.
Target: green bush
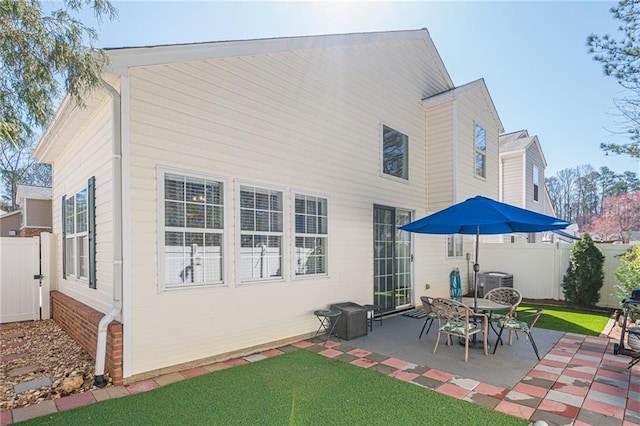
column 628, row 276
column 585, row 275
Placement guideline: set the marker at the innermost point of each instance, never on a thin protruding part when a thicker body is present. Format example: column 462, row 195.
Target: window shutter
column 92, row 230
column 64, row 237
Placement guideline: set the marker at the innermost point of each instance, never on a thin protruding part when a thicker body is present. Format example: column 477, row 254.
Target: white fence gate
column 21, row 296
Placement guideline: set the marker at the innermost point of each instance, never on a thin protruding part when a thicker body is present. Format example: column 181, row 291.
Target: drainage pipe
column 101, row 349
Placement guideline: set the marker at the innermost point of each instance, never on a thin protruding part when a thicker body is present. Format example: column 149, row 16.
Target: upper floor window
column 193, row 226
column 395, row 153
column 261, row 233
column 454, row 245
column 536, row 184
column 480, row 151
column 311, row 235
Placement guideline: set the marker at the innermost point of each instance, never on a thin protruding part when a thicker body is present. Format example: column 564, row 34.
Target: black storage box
column 353, row 321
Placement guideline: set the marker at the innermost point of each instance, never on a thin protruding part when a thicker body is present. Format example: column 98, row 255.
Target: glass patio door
column 392, row 258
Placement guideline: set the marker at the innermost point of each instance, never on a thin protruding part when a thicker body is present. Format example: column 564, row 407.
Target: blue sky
column 532, row 55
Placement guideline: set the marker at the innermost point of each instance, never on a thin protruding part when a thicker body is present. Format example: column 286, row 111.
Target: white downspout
column 101, row 349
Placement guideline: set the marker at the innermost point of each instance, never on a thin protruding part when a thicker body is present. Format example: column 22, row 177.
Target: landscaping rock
column 71, row 384
column 57, row 356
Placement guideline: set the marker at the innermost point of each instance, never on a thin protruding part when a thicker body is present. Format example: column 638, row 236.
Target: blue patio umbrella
column 481, row 215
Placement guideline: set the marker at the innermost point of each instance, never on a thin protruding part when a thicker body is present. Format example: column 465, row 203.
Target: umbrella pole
column 476, row 269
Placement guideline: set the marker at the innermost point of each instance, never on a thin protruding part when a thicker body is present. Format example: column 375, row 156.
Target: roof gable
column 70, row 118
column 452, row 94
column 126, row 57
column 520, row 142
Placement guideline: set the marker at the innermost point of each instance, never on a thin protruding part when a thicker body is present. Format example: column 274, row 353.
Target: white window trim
column 381, row 151
column 238, row 235
column 75, row 276
column 292, row 245
column 446, row 242
column 535, row 184
column 476, row 151
column 161, row 171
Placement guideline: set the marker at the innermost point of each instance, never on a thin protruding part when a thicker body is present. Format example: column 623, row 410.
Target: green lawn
column 569, row 320
column 297, row 388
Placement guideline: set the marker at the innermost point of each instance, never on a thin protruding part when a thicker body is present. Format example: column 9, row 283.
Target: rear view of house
column 214, row 195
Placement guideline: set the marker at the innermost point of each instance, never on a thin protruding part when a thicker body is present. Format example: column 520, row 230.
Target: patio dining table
column 485, row 306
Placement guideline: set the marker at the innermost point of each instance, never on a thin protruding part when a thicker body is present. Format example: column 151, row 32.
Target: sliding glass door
column 392, row 259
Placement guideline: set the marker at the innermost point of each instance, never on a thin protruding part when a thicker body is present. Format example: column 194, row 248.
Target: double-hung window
column 454, row 245
column 536, row 180
column 395, row 153
column 193, row 230
column 78, row 234
column 480, row 138
column 311, row 235
column 261, row 233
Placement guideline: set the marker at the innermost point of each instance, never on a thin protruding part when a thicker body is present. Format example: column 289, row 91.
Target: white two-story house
column 213, row 195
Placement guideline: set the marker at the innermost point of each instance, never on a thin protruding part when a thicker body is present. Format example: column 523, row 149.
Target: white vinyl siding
column 472, row 109
column 512, row 180
column 88, row 154
column 440, row 156
column 305, row 119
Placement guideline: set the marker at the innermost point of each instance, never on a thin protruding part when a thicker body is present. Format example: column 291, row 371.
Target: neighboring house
column 35, row 208
column 215, row 194
column 522, row 184
column 33, row 215
column 2, row 212
column 10, row 224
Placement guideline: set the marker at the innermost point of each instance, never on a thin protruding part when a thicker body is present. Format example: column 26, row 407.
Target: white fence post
column 47, row 267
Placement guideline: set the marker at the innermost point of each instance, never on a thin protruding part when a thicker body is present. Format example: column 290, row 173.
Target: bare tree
column 17, row 166
column 566, row 183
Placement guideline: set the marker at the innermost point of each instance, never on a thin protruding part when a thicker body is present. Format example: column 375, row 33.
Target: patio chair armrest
column 484, row 317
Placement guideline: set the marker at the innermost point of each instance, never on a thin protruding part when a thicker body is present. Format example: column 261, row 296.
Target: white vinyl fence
column 21, row 296
column 538, row 269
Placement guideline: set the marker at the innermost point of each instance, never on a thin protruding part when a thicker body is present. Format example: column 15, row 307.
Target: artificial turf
column 568, row 319
column 297, row 388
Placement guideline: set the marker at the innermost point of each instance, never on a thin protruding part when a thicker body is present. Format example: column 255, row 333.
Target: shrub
column 628, row 276
column 585, row 275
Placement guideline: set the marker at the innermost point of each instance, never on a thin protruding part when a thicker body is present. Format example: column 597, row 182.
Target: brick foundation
column 81, row 323
column 32, row 232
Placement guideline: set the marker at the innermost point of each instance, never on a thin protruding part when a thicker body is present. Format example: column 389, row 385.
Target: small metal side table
column 374, row 313
column 328, row 320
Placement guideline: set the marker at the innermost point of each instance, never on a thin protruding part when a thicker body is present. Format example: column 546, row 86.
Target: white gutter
column 101, row 349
